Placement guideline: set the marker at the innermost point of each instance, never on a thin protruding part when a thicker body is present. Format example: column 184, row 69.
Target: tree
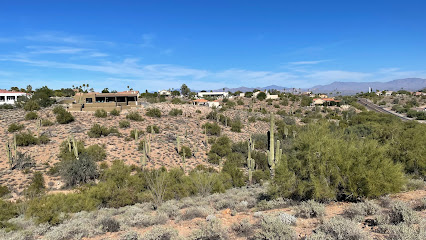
column 29, row 89
column 184, row 90
column 261, row 96
column 105, row 90
column 78, row 171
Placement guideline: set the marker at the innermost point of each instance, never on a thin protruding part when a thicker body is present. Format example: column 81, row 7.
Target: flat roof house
column 213, row 94
column 9, row 97
column 108, row 101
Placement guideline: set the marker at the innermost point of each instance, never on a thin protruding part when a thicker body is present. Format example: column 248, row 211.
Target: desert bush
column 31, row 116
column 124, row 124
column 357, row 211
column 153, row 127
column 26, row 139
column 400, row 212
column 23, row 161
column 340, row 229
column 420, row 205
column 236, row 125
column 415, row 184
column 209, row 230
column 31, row 106
column 243, row 228
column 310, row 209
column 170, row 208
column 114, row 112
column 186, row 150
column 175, row 112
column 75, row 172
column 46, row 122
column 177, row 101
column 96, row 152
column 43, row 139
column 212, row 128
column 134, row 116
column 129, row 236
column 287, row 218
column 404, row 231
column 8, row 211
column 220, row 149
column 4, row 191
column 143, row 219
column 15, row 127
column 161, row 233
column 271, row 227
column 109, row 224
column 36, row 187
column 194, row 212
column 153, row 112
column 100, row 113
column 64, row 117
column 133, row 132
column 97, row 131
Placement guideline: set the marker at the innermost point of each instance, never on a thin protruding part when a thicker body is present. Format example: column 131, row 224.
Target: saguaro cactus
column 177, row 144
column 136, row 135
column 75, row 147
column 9, row 154
column 184, row 161
column 274, row 153
column 143, row 159
column 250, row 161
column 38, row 126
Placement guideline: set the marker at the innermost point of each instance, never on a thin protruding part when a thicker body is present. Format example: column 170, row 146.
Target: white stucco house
column 213, row 94
column 164, row 93
column 9, row 97
column 268, row 96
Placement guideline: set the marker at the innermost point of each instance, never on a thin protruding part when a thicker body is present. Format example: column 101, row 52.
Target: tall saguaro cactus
column 177, row 144
column 274, row 153
column 250, row 161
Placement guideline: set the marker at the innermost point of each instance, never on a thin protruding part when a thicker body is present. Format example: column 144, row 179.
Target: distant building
column 242, row 94
column 323, row 96
column 204, row 102
column 107, row 101
column 370, row 90
column 9, row 97
column 326, row 101
column 164, row 93
column 213, row 94
column 388, row 93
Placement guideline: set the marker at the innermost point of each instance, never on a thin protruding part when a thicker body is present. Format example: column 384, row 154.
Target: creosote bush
column 175, row 112
column 212, row 128
column 46, row 122
column 155, row 127
column 134, row 116
column 115, row 112
column 15, row 127
column 31, row 106
column 100, row 113
column 153, row 112
column 31, row 116
column 124, row 124
column 62, row 115
column 186, row 150
column 97, row 131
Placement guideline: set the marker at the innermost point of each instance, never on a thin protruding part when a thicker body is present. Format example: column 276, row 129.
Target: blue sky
column 209, row 44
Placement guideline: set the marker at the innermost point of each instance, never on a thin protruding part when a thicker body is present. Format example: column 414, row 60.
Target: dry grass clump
column 195, row 212
column 310, row 209
column 161, row 233
column 358, row 211
column 211, row 230
column 340, row 229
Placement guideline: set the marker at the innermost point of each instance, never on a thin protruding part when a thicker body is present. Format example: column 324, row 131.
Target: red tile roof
column 7, row 91
column 200, row 100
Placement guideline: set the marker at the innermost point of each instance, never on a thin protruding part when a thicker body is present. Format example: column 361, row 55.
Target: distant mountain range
column 346, row 88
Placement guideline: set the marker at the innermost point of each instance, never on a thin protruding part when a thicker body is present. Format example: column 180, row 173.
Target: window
column 88, row 100
column 1, row 98
column 10, row 98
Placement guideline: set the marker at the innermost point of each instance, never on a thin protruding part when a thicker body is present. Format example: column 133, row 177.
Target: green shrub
column 132, row 133
column 134, row 116
column 400, row 212
column 236, row 125
column 3, row 191
column 221, row 148
column 153, row 112
column 8, row 211
column 15, row 127
column 212, row 128
column 175, row 112
column 31, row 106
column 63, row 116
column 100, row 113
column 124, row 124
column 240, row 102
column 97, row 152
column 261, row 96
column 152, row 127
column 115, row 112
column 26, row 139
column 31, row 116
column 46, row 122
column 7, row 106
column 80, row 171
column 43, row 139
column 186, row 150
column 177, row 101
column 36, row 187
column 97, row 131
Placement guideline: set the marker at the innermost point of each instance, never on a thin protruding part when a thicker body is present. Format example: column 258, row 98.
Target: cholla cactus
column 38, row 126
column 183, row 161
column 143, row 159
column 285, row 132
column 9, row 154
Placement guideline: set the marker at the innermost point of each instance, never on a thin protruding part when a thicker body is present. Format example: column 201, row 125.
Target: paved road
column 376, row 108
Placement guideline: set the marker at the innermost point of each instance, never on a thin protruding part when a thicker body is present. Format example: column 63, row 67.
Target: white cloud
column 56, row 50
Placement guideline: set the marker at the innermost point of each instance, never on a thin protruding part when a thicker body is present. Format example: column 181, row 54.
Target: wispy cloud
column 60, row 37
column 55, row 50
column 308, row 62
column 147, row 40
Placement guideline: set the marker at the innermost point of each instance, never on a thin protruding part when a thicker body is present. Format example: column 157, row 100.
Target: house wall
column 4, row 97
